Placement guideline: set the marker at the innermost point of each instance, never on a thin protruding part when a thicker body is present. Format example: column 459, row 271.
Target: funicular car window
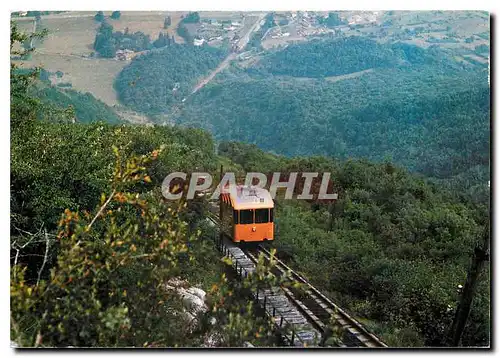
column 261, row 216
column 246, row 216
column 271, row 211
column 235, row 216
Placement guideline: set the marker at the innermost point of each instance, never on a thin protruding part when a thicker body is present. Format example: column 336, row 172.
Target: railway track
column 318, row 309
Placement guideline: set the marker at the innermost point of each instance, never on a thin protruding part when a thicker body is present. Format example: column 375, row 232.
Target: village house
column 124, row 55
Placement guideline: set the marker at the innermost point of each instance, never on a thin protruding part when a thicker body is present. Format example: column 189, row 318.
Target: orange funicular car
column 247, row 214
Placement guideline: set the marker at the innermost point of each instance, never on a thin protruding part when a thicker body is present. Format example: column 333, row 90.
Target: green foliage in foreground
column 107, row 286
column 59, row 166
column 392, row 249
column 94, row 244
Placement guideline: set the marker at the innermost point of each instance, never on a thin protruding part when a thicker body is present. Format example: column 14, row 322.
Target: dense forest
column 319, row 58
column 93, row 243
column 427, row 121
column 160, row 78
column 392, row 249
column 86, row 107
column 334, row 57
column 418, row 108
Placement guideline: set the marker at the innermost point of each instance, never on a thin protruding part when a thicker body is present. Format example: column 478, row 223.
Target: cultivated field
column 66, row 35
column 68, row 46
column 94, row 75
column 69, row 42
column 149, row 22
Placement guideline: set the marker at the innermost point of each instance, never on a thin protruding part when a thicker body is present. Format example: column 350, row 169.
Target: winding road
column 241, row 45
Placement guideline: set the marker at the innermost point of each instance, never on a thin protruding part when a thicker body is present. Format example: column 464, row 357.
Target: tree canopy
column 392, row 249
column 116, row 15
column 99, row 16
column 93, row 243
column 432, row 122
column 323, row 58
column 153, row 82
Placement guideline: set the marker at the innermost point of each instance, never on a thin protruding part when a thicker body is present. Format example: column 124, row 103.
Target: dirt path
column 210, row 77
column 348, row 76
column 241, row 45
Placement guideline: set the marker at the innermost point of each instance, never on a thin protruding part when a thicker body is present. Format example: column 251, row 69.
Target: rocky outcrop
column 193, row 300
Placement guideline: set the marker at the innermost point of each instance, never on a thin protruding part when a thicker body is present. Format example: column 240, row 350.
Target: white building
column 198, row 42
column 124, row 55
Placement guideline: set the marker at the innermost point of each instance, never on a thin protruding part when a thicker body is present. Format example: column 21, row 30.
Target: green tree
column 183, row 32
column 115, row 15
column 104, row 42
column 167, row 22
column 99, row 16
column 192, row 17
column 332, row 20
column 162, row 40
column 172, row 71
column 108, row 50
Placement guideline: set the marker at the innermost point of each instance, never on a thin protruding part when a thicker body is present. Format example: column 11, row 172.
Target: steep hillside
column 323, row 58
column 94, row 245
column 153, row 82
column 392, row 249
column 87, row 108
column 429, row 120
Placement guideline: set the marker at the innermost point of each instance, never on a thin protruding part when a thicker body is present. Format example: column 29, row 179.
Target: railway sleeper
column 295, row 328
column 352, row 335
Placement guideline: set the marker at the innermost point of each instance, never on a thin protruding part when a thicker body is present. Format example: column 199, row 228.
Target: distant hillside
column 322, row 58
column 87, row 108
column 95, row 246
column 156, row 80
column 427, row 118
column 418, row 107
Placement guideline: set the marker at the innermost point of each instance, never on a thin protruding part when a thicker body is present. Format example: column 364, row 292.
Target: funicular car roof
column 248, row 197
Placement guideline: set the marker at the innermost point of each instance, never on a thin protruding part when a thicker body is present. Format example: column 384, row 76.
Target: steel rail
column 317, row 308
column 322, row 308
